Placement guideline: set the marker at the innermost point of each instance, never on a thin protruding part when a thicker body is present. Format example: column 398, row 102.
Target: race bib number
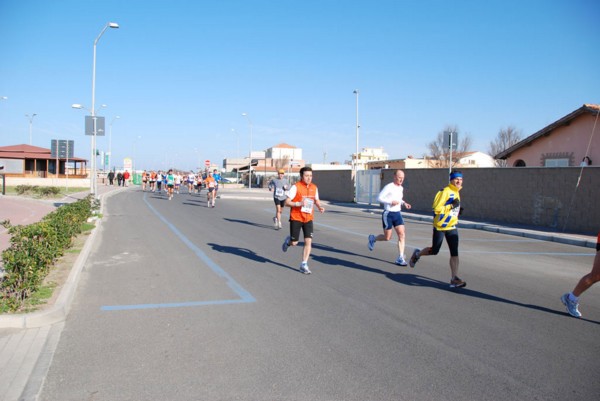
column 307, row 205
column 279, row 192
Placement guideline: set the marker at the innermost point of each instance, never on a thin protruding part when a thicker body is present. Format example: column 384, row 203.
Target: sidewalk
column 24, row 338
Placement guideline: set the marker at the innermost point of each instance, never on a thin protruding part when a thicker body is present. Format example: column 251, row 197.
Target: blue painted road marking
column 244, row 296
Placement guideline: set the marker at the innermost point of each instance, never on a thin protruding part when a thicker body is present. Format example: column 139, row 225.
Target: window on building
column 556, row 163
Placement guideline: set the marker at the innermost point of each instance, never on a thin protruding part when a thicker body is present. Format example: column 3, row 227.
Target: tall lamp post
column 93, row 153
column 30, row 117
column 250, row 160
column 110, row 141
column 356, row 155
column 93, row 183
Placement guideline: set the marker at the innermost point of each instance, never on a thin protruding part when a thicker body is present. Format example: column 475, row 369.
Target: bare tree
column 506, row 138
column 441, row 154
column 282, row 162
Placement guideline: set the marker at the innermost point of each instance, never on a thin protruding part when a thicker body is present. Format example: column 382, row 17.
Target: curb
column 58, row 312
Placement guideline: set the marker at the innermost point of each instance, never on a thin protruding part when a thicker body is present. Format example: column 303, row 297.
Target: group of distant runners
column 303, row 197
column 170, row 182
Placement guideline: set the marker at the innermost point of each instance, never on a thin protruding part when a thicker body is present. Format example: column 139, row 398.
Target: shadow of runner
column 416, row 280
column 246, row 253
column 258, row 225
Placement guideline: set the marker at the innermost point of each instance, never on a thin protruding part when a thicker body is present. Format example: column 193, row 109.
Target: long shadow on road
column 411, row 279
column 246, row 253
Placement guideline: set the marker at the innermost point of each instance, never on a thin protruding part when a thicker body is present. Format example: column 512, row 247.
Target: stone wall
column 541, row 197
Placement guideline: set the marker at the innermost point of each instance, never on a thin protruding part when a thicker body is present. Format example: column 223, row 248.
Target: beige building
column 568, row 142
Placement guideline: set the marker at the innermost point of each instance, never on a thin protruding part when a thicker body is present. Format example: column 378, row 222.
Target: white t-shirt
column 391, row 192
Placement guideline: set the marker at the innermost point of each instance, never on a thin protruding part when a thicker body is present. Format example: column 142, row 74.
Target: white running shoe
column 275, row 225
column 304, row 268
column 400, row 261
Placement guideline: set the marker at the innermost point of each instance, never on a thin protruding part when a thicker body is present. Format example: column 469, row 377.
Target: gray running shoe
column 572, row 307
column 457, row 283
column 286, row 243
column 304, row 268
column 414, row 258
column 371, row 242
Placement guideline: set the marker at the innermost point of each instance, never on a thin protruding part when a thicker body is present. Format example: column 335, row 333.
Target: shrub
column 35, row 247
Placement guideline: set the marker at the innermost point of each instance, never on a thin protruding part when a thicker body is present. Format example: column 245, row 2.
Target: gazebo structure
column 34, row 162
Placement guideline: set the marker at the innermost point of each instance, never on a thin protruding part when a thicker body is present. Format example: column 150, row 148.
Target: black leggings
column 451, row 239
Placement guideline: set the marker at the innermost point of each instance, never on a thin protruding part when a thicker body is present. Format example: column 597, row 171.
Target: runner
column 279, row 186
column 571, row 299
column 392, row 198
column 217, row 178
column 170, row 177
column 153, row 181
column 446, row 207
column 199, row 182
column 191, row 177
column 144, row 180
column 302, row 198
column 177, row 177
column 210, row 186
column 159, row 180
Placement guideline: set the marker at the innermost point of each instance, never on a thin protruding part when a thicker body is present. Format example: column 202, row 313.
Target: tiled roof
column 586, row 108
column 284, row 145
column 29, row 152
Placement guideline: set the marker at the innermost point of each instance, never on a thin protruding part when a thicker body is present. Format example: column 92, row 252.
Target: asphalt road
column 183, row 302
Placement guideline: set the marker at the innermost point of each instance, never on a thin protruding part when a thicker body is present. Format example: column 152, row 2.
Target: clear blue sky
column 180, row 73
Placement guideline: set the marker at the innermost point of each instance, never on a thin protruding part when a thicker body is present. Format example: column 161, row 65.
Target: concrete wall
column 334, row 185
column 539, row 197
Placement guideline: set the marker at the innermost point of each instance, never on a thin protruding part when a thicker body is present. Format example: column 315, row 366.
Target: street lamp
column 110, row 141
column 30, row 125
column 250, row 161
column 356, row 156
column 93, row 182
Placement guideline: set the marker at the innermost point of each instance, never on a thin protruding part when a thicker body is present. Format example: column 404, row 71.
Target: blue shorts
column 391, row 220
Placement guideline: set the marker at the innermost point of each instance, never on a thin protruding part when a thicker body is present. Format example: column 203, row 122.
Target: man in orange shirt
column 302, row 198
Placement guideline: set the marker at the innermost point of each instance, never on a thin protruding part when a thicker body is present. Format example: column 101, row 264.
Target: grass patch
column 85, row 227
column 62, row 191
column 39, row 297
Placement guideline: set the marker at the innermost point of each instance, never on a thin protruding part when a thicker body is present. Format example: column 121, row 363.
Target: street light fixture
column 30, row 125
column 250, row 155
column 110, row 141
column 93, row 183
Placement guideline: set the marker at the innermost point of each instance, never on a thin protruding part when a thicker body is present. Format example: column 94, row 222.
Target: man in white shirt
column 392, row 198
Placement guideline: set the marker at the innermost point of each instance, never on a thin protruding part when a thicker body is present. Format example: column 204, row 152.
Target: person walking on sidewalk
column 302, row 198
column 571, row 299
column 392, row 197
column 446, row 208
column 279, row 186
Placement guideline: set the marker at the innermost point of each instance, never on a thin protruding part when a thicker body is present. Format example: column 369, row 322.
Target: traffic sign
column 207, row 163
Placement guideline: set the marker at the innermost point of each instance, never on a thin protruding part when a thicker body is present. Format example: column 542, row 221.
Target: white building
column 369, row 155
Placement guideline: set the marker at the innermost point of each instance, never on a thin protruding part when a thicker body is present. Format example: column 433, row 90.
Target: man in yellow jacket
column 302, row 198
column 446, row 208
